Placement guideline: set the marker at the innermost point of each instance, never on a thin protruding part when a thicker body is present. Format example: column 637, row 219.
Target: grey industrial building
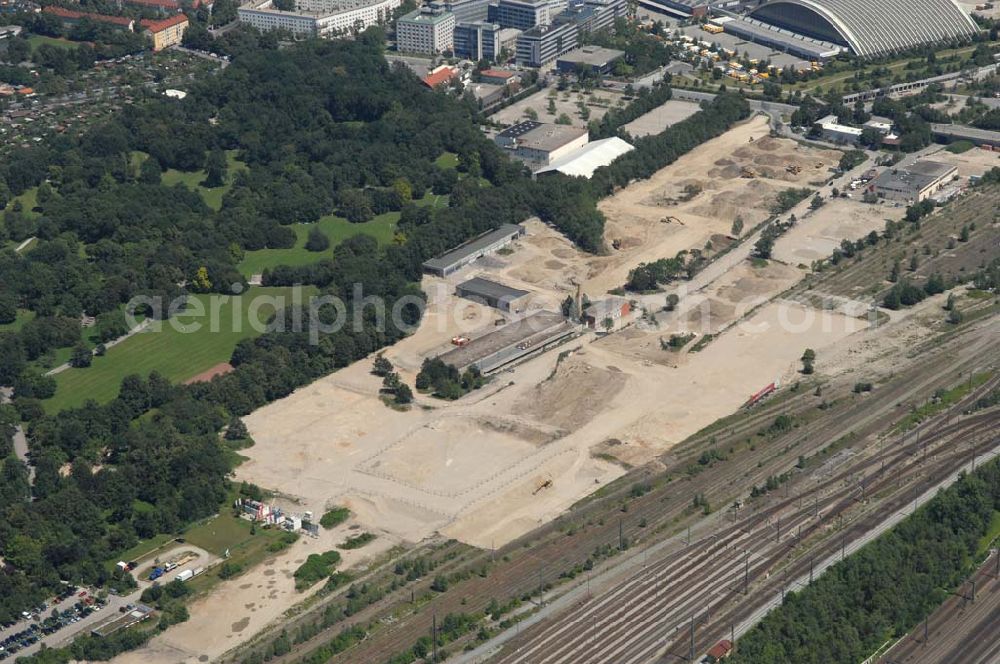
column 538, row 144
column 594, row 58
column 493, row 293
column 870, row 28
column 473, row 250
column 545, row 43
column 913, row 183
column 782, row 40
column 513, row 342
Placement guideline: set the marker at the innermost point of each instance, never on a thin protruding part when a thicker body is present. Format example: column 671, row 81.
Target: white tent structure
column 584, row 161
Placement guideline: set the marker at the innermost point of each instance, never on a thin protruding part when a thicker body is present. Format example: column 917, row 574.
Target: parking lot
column 51, row 621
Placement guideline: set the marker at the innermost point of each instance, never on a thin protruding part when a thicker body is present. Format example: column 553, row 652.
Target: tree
column 531, row 113
column 817, row 202
column 563, row 119
column 150, row 172
column 8, row 309
column 950, row 304
column 215, row 169
column 81, row 357
column 608, row 324
column 737, row 226
column 237, row 430
column 317, row 240
column 672, row 301
column 764, row 245
column 955, row 316
column 808, row 357
column 404, row 394
column 382, row 366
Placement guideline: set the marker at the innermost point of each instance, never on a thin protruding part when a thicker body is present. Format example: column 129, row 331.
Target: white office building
column 427, row 30
column 331, row 18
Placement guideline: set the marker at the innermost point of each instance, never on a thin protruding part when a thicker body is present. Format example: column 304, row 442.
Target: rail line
column 635, row 621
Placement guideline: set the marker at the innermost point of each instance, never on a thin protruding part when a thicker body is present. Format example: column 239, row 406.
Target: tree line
column 884, row 590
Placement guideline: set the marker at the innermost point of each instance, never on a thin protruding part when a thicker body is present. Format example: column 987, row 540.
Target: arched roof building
column 870, row 27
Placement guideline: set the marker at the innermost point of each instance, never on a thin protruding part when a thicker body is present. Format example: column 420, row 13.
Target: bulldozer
column 616, row 243
column 794, row 169
column 747, row 172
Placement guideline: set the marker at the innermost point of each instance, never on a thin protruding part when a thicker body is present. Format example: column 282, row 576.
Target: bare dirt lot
column 597, row 103
column 661, row 117
column 238, row 608
column 818, row 234
column 971, row 162
column 474, row 469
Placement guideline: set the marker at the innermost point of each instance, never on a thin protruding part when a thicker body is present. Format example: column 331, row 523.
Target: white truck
column 185, row 575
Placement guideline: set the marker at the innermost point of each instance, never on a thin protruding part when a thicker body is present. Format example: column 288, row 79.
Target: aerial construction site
column 606, row 477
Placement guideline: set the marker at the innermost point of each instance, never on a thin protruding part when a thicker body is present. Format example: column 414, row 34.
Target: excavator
column 671, row 219
column 544, row 485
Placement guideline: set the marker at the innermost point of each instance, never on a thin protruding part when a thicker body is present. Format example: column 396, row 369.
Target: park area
column 175, row 352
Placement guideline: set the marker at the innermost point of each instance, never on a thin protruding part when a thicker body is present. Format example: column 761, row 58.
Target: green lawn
column 212, row 197
column 222, row 532
column 447, row 160
column 29, row 199
column 23, row 316
column 176, row 354
column 336, row 228
column 37, row 40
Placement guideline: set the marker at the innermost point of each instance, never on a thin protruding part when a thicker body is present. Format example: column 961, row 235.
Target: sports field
column 175, row 353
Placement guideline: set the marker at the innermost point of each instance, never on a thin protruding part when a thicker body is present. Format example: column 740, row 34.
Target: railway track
column 963, row 629
column 700, row 583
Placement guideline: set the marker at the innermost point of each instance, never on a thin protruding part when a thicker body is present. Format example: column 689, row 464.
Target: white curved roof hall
column 871, row 27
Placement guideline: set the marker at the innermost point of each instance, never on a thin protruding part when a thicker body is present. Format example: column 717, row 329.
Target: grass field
column 23, row 316
column 958, row 147
column 172, row 352
column 37, row 40
column 336, row 228
column 193, row 180
column 447, row 160
column 29, row 199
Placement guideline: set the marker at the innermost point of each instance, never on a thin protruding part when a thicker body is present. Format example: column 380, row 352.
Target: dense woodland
column 886, row 589
column 321, row 127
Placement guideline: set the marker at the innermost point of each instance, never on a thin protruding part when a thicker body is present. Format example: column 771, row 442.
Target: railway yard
column 963, row 629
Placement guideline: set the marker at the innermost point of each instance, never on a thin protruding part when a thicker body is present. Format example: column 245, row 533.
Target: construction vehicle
column 156, row 573
column 616, row 243
column 544, row 485
column 671, row 219
column 748, row 173
column 460, row 341
column 794, row 169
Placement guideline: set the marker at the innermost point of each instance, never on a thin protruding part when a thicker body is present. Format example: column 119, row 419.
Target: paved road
column 20, row 440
